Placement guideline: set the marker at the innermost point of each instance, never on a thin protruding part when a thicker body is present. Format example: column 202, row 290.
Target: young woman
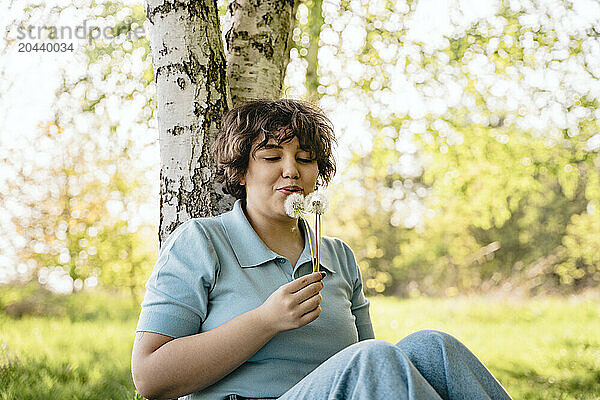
column 233, row 310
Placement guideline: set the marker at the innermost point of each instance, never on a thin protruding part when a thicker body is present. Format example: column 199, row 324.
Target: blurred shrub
column 481, row 167
column 32, row 299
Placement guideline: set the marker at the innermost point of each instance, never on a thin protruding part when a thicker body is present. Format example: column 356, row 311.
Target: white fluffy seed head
column 294, row 205
column 316, row 203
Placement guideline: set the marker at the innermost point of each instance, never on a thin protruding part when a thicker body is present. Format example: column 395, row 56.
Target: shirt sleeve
column 176, row 299
column 360, row 304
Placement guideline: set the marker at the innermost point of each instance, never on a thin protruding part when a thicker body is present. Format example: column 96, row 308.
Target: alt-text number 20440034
column 26, row 47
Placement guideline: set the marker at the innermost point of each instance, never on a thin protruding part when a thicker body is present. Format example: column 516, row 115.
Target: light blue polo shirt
column 210, row 270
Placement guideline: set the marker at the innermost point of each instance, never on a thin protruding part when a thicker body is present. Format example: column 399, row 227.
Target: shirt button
column 280, row 260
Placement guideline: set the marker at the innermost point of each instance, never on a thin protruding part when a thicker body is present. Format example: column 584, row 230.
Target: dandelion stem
column 318, row 244
column 310, row 243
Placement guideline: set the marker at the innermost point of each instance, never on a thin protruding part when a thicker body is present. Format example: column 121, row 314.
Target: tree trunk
column 315, row 24
column 192, row 95
column 258, row 47
column 193, row 92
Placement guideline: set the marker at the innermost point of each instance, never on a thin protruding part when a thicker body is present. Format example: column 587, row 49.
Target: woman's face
column 275, row 172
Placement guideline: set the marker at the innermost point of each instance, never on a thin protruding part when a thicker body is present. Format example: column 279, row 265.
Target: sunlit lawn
column 539, row 349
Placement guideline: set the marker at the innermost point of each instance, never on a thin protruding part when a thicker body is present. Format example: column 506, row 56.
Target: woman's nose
column 290, row 169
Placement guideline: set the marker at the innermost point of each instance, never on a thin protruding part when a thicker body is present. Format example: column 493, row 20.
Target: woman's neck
column 280, row 235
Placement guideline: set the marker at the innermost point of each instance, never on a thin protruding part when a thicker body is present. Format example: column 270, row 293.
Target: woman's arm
column 164, row 367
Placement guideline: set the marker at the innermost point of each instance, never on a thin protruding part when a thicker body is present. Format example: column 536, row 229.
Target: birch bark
column 258, row 46
column 192, row 95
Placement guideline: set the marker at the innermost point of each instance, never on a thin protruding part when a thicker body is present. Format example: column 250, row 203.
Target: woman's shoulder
column 208, row 224
column 336, row 243
column 339, row 249
column 200, row 229
column 338, row 254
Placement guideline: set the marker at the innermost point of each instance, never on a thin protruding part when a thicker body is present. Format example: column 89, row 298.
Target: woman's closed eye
column 302, row 160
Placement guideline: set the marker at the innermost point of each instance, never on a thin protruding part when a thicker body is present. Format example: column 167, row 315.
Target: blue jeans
column 424, row 365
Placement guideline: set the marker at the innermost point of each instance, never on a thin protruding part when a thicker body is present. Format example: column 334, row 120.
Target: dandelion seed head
column 316, row 203
column 294, row 205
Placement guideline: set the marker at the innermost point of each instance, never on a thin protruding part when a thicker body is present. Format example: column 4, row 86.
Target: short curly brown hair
column 280, row 120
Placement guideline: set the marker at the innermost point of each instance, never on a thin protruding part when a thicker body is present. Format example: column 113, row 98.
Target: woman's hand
column 294, row 304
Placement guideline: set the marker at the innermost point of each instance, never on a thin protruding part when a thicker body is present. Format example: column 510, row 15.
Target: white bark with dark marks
column 258, row 46
column 192, row 95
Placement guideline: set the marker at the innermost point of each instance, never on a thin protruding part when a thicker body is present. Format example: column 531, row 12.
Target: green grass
column 538, row 349
column 81, row 350
column 79, row 347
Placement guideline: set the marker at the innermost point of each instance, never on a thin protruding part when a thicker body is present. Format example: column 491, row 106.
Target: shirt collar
column 251, row 251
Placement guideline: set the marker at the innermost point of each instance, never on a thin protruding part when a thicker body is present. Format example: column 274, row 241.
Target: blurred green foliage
column 78, row 199
column 33, row 300
column 483, row 171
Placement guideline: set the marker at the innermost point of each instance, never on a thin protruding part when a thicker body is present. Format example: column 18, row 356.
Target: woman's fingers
column 295, row 304
column 300, row 283
column 311, row 303
column 308, row 292
column 310, row 316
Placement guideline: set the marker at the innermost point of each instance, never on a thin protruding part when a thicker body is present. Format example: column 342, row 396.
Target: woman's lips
column 288, row 191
